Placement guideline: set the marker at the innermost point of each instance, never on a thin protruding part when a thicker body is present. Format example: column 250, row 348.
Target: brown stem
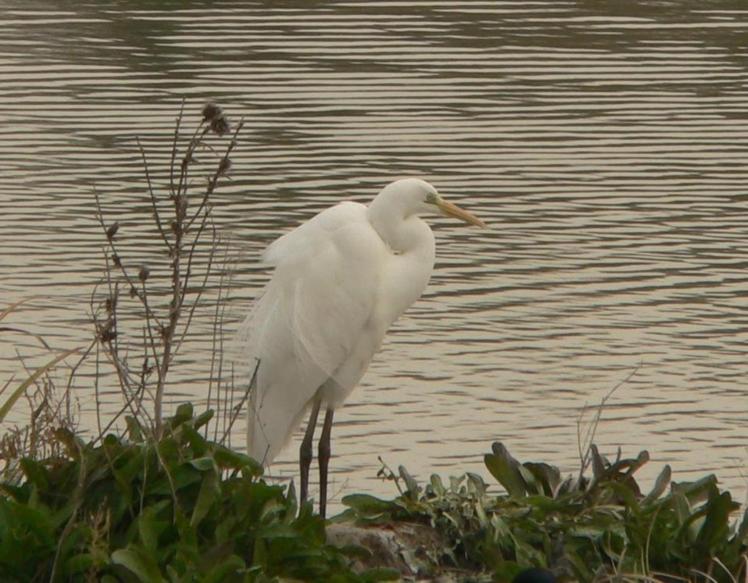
column 218, row 173
column 130, row 281
column 197, row 137
column 201, row 289
column 240, row 406
column 154, row 203
column 174, row 148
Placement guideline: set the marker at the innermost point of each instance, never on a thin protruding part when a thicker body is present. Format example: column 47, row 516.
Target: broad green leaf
column 547, row 476
column 223, row 571
column 210, row 492
column 203, row 418
column 277, row 530
column 184, row 413
column 139, row 563
column 204, row 464
column 742, row 531
column 661, row 484
column 272, row 510
column 150, row 528
column 197, row 443
column 505, row 469
column 182, row 477
column 410, row 482
column 640, row 460
column 716, row 526
column 475, row 484
column 698, row 491
column 437, row 486
column 680, row 504
column 368, row 504
column 19, row 522
column 227, row 458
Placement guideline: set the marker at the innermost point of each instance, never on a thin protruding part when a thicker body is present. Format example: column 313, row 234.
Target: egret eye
column 432, row 197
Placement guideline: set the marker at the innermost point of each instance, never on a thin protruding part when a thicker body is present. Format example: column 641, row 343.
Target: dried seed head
column 211, row 111
column 224, row 166
column 107, row 332
column 116, row 260
column 188, row 159
column 133, row 292
column 108, row 335
column 110, row 304
column 181, row 208
column 112, row 230
column 143, row 273
column 220, row 125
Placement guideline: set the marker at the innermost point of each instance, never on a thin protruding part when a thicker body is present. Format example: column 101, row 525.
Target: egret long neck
column 405, row 275
column 401, row 231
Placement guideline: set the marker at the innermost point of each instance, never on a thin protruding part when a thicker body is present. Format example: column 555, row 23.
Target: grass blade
column 21, row 389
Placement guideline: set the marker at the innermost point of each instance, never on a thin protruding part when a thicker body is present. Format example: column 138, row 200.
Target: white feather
column 340, row 280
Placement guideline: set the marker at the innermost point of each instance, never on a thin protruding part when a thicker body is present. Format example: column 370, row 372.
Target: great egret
column 340, row 280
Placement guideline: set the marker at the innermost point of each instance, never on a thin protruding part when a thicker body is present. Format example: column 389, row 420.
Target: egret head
column 420, row 197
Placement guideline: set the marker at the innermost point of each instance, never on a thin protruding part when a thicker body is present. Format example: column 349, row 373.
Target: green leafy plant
column 585, row 529
column 178, row 509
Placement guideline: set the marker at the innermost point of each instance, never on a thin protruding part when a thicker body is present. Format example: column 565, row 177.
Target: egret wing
column 309, row 318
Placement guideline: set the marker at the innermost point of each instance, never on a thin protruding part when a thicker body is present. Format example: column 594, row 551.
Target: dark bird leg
column 305, row 451
column 323, row 457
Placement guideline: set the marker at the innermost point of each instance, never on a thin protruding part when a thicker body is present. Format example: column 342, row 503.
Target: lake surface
column 606, row 146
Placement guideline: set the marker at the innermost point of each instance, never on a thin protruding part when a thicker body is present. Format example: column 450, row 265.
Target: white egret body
column 340, row 280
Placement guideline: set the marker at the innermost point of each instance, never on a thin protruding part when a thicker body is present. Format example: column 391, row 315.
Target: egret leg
column 323, row 457
column 305, row 451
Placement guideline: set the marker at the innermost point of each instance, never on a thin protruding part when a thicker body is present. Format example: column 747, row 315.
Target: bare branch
column 240, row 405
column 196, row 139
column 151, row 339
column 117, row 258
column 220, row 171
column 218, row 319
column 168, row 314
column 200, row 290
column 152, row 195
column 177, row 125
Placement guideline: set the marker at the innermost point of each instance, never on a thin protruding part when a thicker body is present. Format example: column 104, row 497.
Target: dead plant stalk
column 181, row 234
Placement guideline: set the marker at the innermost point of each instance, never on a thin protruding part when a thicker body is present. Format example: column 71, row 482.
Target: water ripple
column 605, row 146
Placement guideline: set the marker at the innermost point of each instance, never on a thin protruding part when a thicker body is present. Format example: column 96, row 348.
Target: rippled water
column 605, row 145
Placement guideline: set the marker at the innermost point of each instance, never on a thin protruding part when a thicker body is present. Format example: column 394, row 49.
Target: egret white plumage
column 340, row 280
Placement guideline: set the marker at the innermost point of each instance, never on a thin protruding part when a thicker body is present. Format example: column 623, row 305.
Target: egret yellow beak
column 452, row 210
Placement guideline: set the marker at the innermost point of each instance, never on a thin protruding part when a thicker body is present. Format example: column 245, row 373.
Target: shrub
column 178, row 509
column 584, row 529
